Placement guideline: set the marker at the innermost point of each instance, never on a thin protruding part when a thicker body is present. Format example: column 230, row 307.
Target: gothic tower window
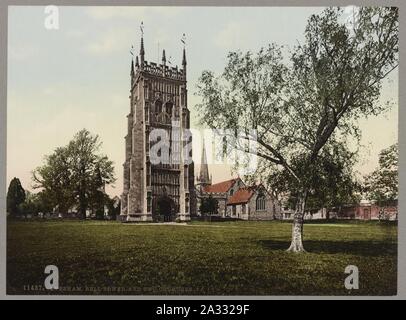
column 168, row 108
column 148, row 176
column 158, row 107
column 146, row 112
column 149, row 200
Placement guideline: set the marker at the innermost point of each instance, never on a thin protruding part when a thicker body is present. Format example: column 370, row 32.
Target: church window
column 149, row 199
column 147, row 142
column 187, row 205
column 158, row 107
column 167, row 119
column 146, row 113
column 260, row 203
column 168, row 108
column 185, row 181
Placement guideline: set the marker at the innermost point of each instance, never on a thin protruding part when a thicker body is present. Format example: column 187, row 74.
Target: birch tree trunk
column 297, row 227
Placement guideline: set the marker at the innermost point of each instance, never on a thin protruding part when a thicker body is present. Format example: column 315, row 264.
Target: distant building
column 369, row 210
column 235, row 199
column 364, row 210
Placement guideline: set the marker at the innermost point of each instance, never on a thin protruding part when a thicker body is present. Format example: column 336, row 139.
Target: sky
column 60, row 81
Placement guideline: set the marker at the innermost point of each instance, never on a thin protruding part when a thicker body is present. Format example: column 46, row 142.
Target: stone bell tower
column 158, row 176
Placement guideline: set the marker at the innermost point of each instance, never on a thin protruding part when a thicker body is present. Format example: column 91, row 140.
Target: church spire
column 183, row 40
column 204, row 168
column 142, row 51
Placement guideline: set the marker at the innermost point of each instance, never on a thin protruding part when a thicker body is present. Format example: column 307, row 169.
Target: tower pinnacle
column 184, row 58
column 132, row 67
column 163, row 57
column 183, row 40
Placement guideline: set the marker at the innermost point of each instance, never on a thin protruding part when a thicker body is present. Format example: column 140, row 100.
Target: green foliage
column 97, row 196
column 113, row 207
column 382, row 184
column 15, row 197
column 30, row 205
column 45, row 204
column 332, row 184
column 75, row 174
column 54, row 178
column 209, row 206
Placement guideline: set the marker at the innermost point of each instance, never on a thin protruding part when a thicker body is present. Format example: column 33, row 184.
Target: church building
column 234, row 198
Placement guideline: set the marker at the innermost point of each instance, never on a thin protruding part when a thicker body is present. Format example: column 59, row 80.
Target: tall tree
column 334, row 78
column 55, row 180
column 73, row 174
column 15, row 197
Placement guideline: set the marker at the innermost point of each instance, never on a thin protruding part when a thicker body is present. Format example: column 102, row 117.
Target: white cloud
column 162, row 36
column 111, row 41
column 75, row 33
column 229, row 36
column 22, row 53
column 48, row 91
column 105, row 13
column 117, row 39
column 167, row 12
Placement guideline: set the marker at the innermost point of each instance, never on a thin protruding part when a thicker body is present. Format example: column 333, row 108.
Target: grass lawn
column 223, row 258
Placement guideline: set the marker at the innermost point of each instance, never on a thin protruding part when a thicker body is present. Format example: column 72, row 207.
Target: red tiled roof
column 241, row 196
column 220, row 187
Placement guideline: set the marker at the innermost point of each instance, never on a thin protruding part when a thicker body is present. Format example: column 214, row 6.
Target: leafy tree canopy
column 382, row 184
column 74, row 175
column 15, row 196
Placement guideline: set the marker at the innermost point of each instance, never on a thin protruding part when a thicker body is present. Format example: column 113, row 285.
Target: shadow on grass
column 352, row 221
column 359, row 248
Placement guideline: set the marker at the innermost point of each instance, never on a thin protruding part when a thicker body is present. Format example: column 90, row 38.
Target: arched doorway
column 164, row 209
